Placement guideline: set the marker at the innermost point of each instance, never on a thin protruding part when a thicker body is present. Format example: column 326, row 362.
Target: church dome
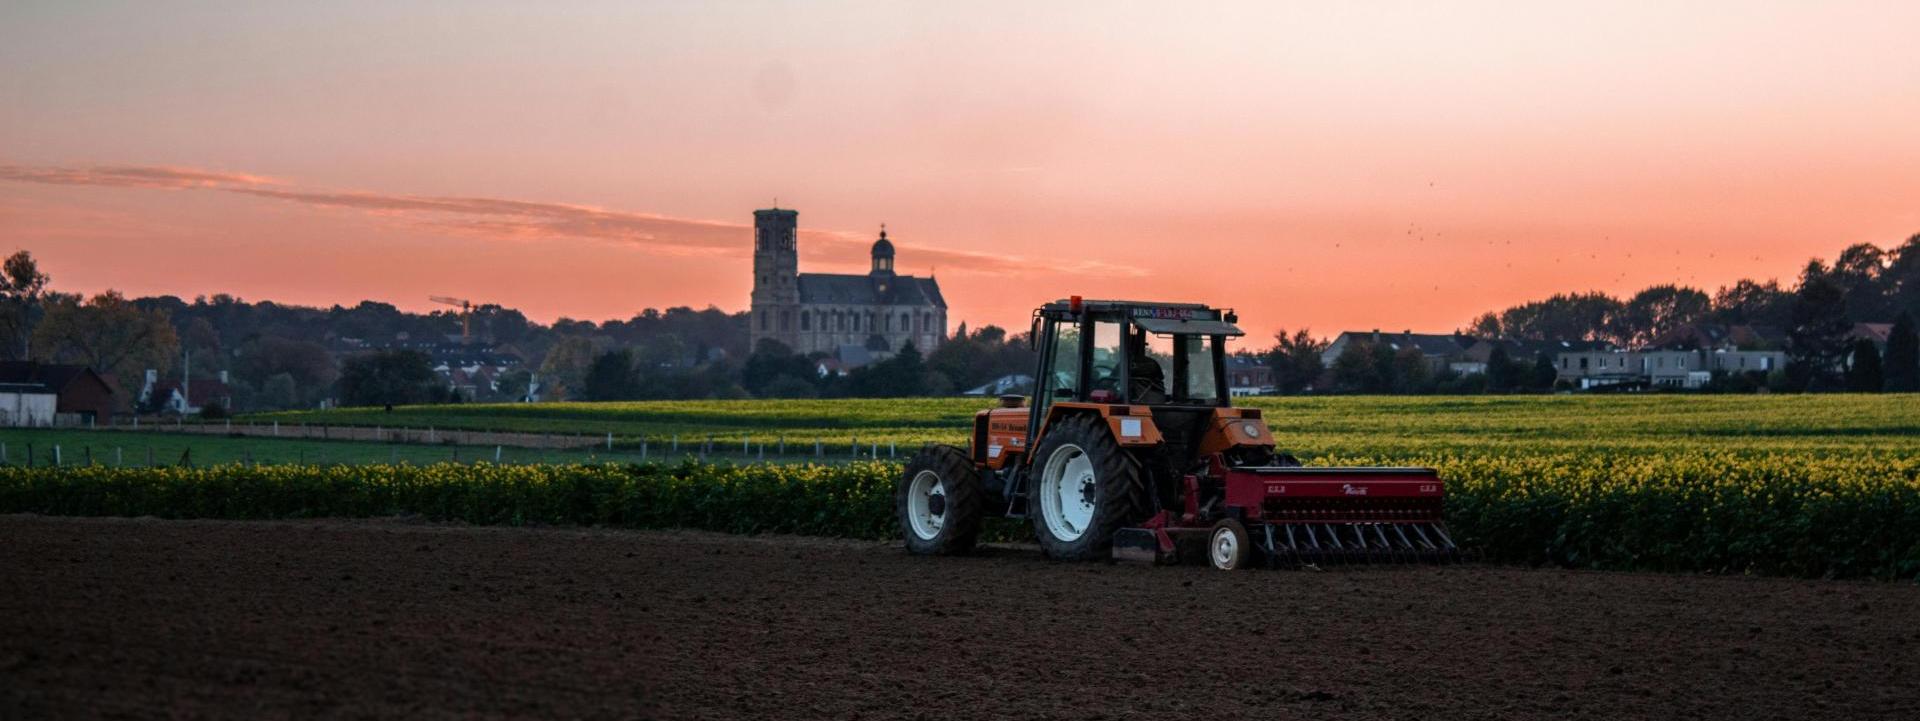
column 883, row 248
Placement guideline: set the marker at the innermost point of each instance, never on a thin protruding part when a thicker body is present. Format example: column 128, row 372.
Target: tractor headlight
column 1252, row 429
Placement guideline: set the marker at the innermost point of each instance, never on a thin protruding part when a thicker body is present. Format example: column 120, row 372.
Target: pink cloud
column 530, row 221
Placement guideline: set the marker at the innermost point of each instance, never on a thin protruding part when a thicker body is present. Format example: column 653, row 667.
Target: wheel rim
column 1225, row 547
column 1068, row 493
column 920, row 514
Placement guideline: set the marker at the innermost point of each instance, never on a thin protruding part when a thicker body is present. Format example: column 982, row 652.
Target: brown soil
column 146, row 618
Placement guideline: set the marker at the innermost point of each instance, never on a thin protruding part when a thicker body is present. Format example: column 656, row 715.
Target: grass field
column 1309, row 427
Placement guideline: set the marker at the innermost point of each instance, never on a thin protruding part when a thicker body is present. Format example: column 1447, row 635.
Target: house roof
column 835, row 288
column 55, row 377
column 201, row 392
column 1433, row 344
column 1526, row 349
column 1876, row 332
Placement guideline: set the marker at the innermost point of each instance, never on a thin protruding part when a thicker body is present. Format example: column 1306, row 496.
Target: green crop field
column 1393, row 426
column 1811, row 485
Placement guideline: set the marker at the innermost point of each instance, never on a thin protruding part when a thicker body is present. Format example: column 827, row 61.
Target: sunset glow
column 1337, row 167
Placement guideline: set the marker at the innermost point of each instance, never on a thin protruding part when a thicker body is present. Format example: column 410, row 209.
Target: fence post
column 276, row 429
column 119, row 459
column 854, row 447
column 783, row 445
column 875, row 453
column 229, row 430
column 819, row 449
column 676, row 444
column 89, row 451
column 893, row 449
column 393, row 455
column 643, row 450
column 745, row 445
column 763, row 450
column 56, row 455
column 496, row 454
column 136, row 423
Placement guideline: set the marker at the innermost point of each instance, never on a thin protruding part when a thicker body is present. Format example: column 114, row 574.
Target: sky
column 1332, row 166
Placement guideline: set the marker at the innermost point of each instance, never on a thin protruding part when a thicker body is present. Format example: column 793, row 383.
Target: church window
column 763, row 321
column 786, row 320
column 806, row 320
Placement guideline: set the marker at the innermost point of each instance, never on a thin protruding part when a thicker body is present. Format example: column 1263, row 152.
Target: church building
column 869, row 315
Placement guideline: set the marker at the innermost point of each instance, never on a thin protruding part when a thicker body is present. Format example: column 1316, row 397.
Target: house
column 186, row 398
column 27, row 405
column 1248, row 376
column 1439, row 349
column 1521, row 350
column 1686, row 357
column 1598, row 368
column 80, row 395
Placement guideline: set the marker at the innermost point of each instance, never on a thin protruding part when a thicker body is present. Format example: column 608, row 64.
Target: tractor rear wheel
column 1084, row 489
column 938, row 501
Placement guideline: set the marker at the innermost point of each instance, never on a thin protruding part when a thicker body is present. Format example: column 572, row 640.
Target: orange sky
column 1386, row 165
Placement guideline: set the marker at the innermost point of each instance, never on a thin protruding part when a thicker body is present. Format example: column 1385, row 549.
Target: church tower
column 776, row 276
column 882, row 273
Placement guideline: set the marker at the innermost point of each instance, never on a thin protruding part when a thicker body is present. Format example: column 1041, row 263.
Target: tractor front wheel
column 938, row 501
column 1084, row 489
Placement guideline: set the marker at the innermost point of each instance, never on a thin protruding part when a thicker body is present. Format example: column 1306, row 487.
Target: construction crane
column 466, row 314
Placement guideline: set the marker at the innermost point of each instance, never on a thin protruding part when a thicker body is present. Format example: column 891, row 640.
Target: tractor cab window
column 1064, row 370
column 1109, row 347
column 1176, row 369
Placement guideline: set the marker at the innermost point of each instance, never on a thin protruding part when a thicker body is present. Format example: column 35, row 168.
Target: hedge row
column 1855, row 517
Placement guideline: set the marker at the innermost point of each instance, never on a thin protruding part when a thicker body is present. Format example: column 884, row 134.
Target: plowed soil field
column 142, row 618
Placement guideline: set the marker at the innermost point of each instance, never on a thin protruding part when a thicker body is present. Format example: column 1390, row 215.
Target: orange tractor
column 1131, row 449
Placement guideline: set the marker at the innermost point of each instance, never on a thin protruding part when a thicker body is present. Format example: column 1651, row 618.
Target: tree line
column 286, row 356
column 1815, row 316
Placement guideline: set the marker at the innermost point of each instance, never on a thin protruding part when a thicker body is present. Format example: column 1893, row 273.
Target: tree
column 1657, row 311
column 1863, row 374
column 1500, row 375
column 1902, row 364
column 1410, row 372
column 21, row 287
column 610, row 378
column 1860, row 273
column 278, row 393
column 1567, row 316
column 1751, row 303
column 1544, row 373
column 1296, row 360
column 395, row 377
column 772, row 360
column 112, row 336
column 1902, row 278
column 1819, row 332
column 565, row 368
column 514, row 384
column 1354, row 370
